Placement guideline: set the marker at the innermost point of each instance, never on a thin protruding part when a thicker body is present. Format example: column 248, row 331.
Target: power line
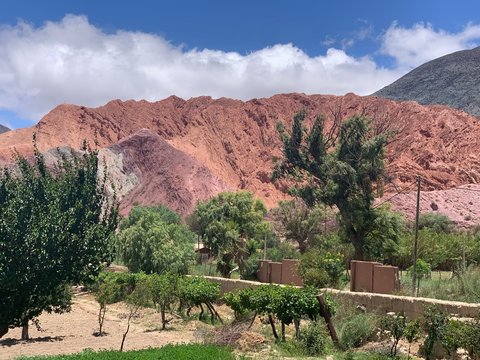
column 391, row 197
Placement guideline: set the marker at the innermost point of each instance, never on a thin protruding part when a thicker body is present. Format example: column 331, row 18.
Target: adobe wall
column 380, row 303
column 412, row 307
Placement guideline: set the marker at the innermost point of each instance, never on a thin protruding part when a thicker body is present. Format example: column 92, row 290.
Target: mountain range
column 178, row 152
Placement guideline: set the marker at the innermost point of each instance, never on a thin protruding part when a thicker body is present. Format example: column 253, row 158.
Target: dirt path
column 72, row 332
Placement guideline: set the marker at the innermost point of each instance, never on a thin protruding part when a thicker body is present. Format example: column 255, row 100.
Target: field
column 72, row 332
column 186, row 352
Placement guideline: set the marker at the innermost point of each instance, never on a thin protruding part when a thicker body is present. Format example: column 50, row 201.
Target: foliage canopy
column 55, row 227
column 342, row 177
column 153, row 240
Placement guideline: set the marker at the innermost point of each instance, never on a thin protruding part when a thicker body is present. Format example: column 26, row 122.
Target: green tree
column 439, row 223
column 423, row 271
column 195, row 291
column 153, row 240
column 228, row 223
column 297, row 222
column 342, row 177
column 55, row 228
column 110, row 288
column 164, row 292
column 135, row 300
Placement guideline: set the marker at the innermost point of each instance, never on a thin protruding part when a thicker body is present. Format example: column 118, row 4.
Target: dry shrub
column 229, row 334
column 250, row 342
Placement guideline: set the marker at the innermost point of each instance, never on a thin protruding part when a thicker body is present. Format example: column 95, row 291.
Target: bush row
column 159, row 291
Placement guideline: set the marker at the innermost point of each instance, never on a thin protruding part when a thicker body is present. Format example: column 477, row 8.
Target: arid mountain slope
column 452, row 80
column 237, row 140
column 461, row 204
column 147, row 170
column 3, row 129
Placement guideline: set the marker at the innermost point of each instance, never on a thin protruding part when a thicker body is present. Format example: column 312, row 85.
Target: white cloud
column 414, row 46
column 73, row 61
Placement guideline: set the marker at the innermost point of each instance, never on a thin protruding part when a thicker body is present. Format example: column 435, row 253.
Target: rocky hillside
column 230, row 143
column 452, row 80
column 148, row 170
column 3, row 129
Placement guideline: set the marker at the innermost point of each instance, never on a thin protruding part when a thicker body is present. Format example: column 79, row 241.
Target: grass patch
column 464, row 287
column 182, row 351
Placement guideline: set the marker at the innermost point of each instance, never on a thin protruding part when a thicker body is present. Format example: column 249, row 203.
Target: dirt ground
column 72, row 332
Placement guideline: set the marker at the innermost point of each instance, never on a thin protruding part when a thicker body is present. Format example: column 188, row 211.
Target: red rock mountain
column 235, row 141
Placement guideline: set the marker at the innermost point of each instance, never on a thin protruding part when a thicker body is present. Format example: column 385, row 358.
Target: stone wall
column 380, row 303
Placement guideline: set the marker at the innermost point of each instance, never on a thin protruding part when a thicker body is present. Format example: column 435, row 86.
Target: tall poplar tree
column 336, row 169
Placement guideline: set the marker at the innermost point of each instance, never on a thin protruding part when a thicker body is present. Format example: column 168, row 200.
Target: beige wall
column 380, row 303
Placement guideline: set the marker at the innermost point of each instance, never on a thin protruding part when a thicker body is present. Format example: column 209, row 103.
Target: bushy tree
column 55, row 227
column 227, row 224
column 110, row 288
column 382, row 242
column 164, row 292
column 321, row 268
column 153, row 240
column 195, row 291
column 336, row 171
column 439, row 223
column 297, row 222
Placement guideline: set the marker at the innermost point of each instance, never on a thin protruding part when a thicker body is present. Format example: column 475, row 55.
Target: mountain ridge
column 452, row 80
column 237, row 140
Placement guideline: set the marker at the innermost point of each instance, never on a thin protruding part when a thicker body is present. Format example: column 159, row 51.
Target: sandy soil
column 72, row 332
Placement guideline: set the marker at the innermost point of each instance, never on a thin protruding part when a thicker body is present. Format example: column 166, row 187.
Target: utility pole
column 415, row 245
column 265, row 247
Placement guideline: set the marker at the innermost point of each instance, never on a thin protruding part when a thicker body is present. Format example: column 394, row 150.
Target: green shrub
column 455, row 336
column 164, row 292
column 282, row 250
column 234, row 301
column 314, row 338
column 435, row 322
column 321, row 268
column 395, row 325
column 356, row 330
column 472, row 336
column 195, row 291
column 152, row 240
column 251, row 267
column 437, row 222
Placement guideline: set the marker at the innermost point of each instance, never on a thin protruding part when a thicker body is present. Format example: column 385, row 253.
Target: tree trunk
column 130, row 315
column 357, row 242
column 201, row 313
column 162, row 313
column 283, row 331
column 3, row 330
column 253, row 320
column 215, row 312
column 101, row 319
column 272, row 324
column 296, row 322
column 25, row 335
column 302, row 246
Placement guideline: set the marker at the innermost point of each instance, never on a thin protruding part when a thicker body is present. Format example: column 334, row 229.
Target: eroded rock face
column 235, row 141
column 147, row 170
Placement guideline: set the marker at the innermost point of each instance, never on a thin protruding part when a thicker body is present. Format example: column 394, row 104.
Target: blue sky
column 89, row 52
